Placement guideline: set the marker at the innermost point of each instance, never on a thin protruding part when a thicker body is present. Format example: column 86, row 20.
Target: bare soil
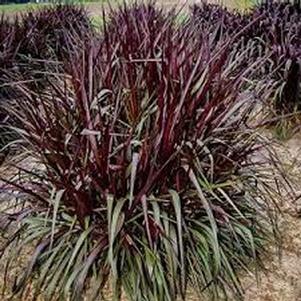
column 282, row 280
column 95, row 9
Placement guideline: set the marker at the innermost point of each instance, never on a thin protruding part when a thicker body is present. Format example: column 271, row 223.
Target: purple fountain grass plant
column 27, row 42
column 277, row 33
column 150, row 175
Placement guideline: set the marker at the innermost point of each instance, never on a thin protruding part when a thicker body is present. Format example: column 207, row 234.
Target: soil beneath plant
column 282, row 279
column 95, row 9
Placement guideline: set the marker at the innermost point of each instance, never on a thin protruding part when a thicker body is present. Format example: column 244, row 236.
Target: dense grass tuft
column 149, row 173
column 30, row 40
column 276, row 30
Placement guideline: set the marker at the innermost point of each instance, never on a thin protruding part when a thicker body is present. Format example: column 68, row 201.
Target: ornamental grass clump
column 27, row 42
column 47, row 30
column 7, row 34
column 148, row 176
column 219, row 20
column 275, row 32
column 281, row 31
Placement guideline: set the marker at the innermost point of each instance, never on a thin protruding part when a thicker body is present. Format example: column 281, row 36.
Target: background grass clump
column 149, row 174
column 27, row 42
column 274, row 28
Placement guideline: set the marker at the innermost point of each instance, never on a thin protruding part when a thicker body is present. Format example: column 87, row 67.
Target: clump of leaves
column 7, row 49
column 148, row 173
column 26, row 42
column 274, row 29
column 282, row 35
column 34, row 37
column 219, row 20
column 47, row 30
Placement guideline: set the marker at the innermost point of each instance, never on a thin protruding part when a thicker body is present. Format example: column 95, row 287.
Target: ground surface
column 282, row 281
column 95, row 7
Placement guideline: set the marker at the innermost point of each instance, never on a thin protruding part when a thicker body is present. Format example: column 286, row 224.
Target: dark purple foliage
column 281, row 31
column 28, row 41
column 145, row 147
column 275, row 26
